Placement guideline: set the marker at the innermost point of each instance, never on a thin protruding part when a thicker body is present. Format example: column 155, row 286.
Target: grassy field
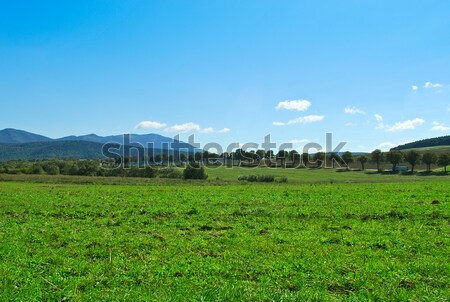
column 323, row 236
column 434, row 149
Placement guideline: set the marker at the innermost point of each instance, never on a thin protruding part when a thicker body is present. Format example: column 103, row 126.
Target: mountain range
column 22, row 145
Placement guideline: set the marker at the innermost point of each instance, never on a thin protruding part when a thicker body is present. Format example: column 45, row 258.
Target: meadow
column 323, row 236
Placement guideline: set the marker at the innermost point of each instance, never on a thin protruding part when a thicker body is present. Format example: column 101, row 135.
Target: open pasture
column 219, row 241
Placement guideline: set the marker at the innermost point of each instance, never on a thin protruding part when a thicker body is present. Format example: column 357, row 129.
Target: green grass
column 224, row 175
column 436, row 149
column 225, row 241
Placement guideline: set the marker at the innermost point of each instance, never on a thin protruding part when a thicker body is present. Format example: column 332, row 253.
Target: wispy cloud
column 212, row 130
column 406, row 125
column 440, row 127
column 298, row 105
column 301, row 120
column 415, row 88
column 193, row 127
column 432, row 85
column 224, row 130
column 186, row 127
column 380, row 123
column 386, row 145
column 150, row 125
column 353, row 110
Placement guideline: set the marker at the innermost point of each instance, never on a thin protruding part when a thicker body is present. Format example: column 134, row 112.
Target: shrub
column 282, row 179
column 258, row 178
column 148, row 172
column 52, row 169
column 194, row 171
column 252, row 178
column 37, row 169
column 170, row 172
column 266, row 178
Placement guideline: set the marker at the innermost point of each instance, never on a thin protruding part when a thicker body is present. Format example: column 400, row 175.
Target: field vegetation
column 322, row 236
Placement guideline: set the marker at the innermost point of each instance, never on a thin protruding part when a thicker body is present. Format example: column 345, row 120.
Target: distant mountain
column 19, row 144
column 143, row 139
column 429, row 142
column 51, row 149
column 13, row 136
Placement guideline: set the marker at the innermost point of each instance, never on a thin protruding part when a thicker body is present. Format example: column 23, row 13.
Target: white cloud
column 432, row 85
column 207, row 130
column 307, row 119
column 150, row 125
column 349, row 124
column 414, row 88
column 212, row 130
column 378, row 117
column 224, row 130
column 193, row 127
column 298, row 105
column 440, row 127
column 406, row 125
column 386, row 145
column 186, row 127
column 353, row 110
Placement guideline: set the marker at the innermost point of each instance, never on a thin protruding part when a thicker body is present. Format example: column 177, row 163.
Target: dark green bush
column 195, row 171
column 257, row 178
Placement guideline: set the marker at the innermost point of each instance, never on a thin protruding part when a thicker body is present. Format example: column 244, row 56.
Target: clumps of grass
column 170, row 172
column 282, row 179
column 257, row 178
column 262, row 178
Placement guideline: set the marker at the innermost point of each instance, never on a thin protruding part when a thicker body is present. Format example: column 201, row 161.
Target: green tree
column 282, row 155
column 319, row 157
column 305, row 159
column 444, row 161
column 52, row 169
column 347, row 157
column 394, row 157
column 428, row 159
column 377, row 157
column 333, row 157
column 362, row 159
column 183, row 157
column 261, row 154
column 198, row 156
column 412, row 157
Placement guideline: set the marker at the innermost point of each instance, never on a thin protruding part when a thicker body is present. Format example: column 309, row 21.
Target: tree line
column 101, row 168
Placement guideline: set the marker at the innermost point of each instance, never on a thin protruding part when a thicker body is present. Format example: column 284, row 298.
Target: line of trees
column 413, row 158
column 100, row 168
column 134, row 168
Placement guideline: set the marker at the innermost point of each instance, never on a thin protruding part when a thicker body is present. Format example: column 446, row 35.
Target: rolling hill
column 22, row 145
column 435, row 142
column 14, row 136
column 51, row 149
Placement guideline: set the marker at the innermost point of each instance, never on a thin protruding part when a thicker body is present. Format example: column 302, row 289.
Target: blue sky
column 374, row 73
